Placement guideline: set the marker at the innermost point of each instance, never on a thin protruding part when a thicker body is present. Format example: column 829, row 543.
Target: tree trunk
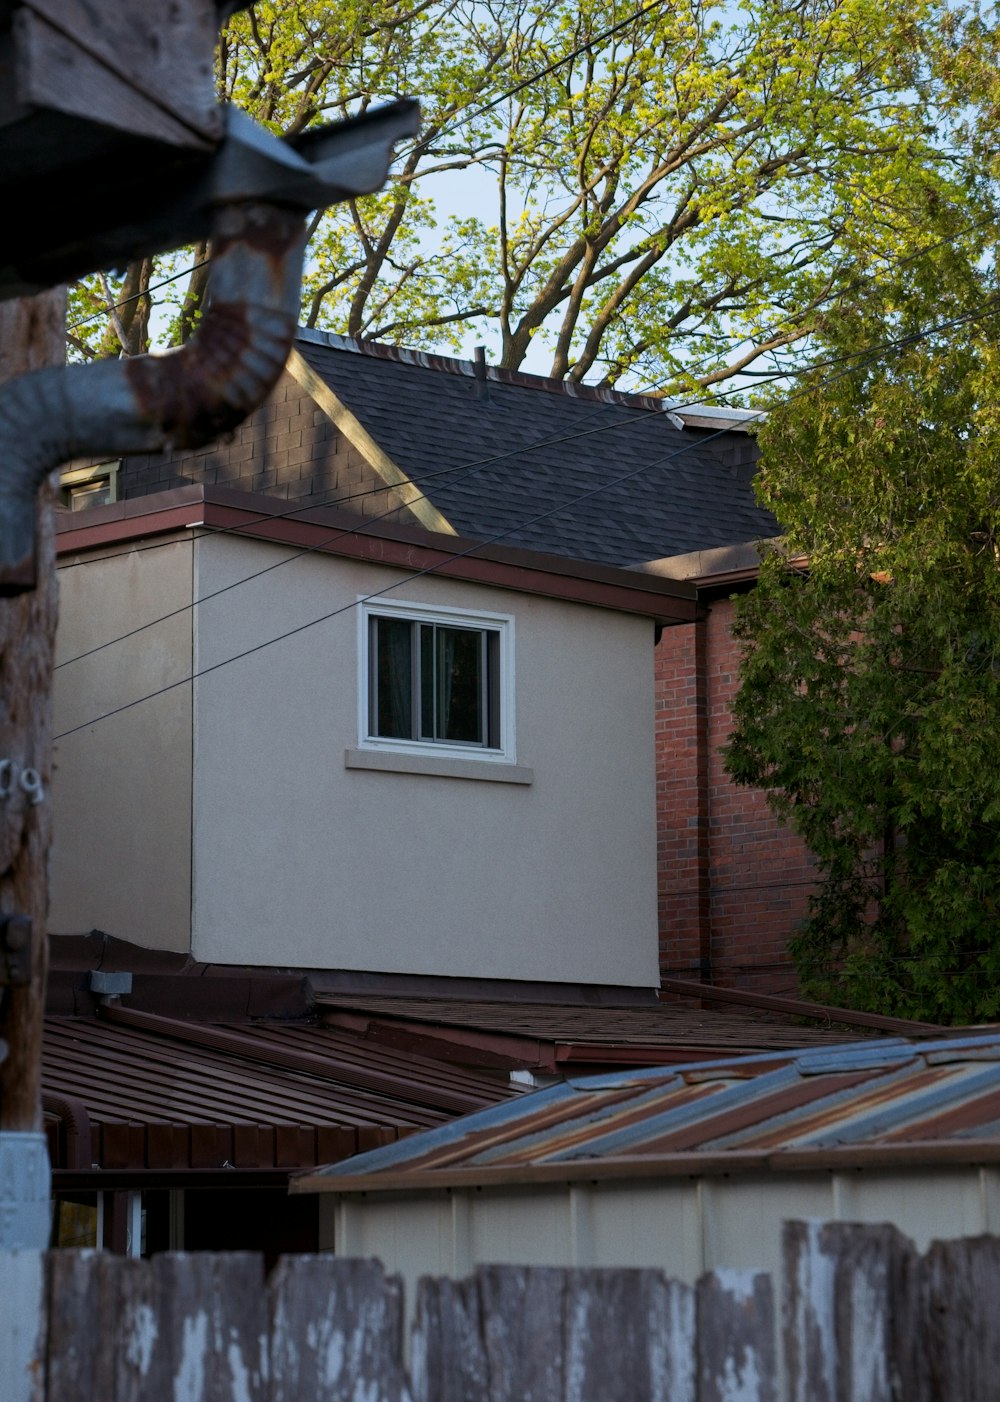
column 32, row 334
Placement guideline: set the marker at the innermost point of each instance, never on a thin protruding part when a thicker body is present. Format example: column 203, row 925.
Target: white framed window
column 83, row 487
column 436, row 681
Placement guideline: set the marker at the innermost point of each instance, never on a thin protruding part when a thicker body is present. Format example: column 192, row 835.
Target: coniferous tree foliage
column 870, row 697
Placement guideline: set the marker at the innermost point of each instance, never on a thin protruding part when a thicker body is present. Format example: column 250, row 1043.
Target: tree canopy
column 683, row 200
column 870, row 697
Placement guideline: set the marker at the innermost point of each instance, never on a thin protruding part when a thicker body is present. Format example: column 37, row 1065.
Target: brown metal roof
column 558, row 1036
column 134, row 1090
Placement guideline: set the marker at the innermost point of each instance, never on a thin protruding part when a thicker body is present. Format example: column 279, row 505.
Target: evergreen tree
column 870, row 698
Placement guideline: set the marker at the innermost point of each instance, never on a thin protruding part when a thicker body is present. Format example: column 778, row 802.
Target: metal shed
column 688, row 1168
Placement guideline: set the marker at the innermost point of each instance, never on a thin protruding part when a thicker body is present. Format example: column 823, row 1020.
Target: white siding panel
column 521, row 1227
column 302, row 859
column 646, row 1224
column 942, row 1203
column 681, row 1226
column 742, row 1216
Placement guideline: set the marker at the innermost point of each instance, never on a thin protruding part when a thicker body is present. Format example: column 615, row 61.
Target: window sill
column 443, row 766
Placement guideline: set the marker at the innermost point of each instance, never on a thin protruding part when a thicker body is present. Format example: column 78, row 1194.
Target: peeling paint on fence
column 141, row 1331
column 735, row 1338
column 866, row 1319
column 189, row 1384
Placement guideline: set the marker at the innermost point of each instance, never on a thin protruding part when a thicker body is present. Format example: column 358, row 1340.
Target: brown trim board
column 322, row 531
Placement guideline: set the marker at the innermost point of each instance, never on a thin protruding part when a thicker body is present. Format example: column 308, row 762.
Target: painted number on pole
column 28, row 780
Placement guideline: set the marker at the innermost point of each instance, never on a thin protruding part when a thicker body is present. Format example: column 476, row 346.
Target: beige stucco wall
column 122, row 786
column 299, row 860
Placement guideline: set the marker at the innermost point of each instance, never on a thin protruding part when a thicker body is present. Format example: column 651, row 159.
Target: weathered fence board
column 629, row 1334
column 573, row 1335
column 866, row 1319
column 336, row 1333
column 735, row 1338
column 949, row 1326
column 190, row 1328
column 521, row 1323
column 23, row 1320
column 842, row 1285
column 448, row 1355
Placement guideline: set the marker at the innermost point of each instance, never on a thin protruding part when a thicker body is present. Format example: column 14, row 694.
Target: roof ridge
column 452, row 365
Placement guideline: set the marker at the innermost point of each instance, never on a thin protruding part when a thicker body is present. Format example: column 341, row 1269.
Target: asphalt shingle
column 527, row 461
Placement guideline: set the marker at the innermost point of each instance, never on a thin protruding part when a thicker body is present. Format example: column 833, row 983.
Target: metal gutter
column 258, row 192
column 796, row 1007
column 323, row 531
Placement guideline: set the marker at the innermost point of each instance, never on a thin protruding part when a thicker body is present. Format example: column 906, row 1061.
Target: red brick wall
column 733, row 883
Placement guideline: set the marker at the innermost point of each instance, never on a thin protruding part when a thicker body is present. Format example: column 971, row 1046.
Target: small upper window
column 437, row 678
column 83, row 487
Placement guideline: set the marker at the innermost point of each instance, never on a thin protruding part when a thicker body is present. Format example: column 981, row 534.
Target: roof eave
column 322, row 531
column 903, row 1155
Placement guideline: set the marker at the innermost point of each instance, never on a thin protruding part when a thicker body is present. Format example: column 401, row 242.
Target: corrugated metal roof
column 134, row 1090
column 889, row 1101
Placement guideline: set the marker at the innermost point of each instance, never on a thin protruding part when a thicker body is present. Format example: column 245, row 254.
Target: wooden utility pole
column 94, row 105
column 32, row 335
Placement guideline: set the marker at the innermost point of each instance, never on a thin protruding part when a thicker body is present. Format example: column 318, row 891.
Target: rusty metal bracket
column 257, row 192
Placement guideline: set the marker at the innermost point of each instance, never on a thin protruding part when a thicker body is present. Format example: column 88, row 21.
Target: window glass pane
column 86, row 494
column 437, row 683
column 392, row 645
column 427, row 682
column 459, row 665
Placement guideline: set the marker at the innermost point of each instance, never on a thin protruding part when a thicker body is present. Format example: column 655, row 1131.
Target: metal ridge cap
column 525, row 379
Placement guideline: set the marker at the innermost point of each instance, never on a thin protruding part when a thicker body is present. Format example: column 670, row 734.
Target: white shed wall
column 683, row 1226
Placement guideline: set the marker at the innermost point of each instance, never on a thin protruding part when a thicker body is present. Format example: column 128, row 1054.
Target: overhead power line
column 988, row 308
column 134, row 297
column 545, row 72
column 467, row 468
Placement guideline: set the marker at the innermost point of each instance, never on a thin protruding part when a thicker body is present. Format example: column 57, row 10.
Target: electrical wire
column 586, row 47
column 325, row 543
column 467, row 469
column 145, row 292
column 991, row 307
column 457, row 121
column 556, row 64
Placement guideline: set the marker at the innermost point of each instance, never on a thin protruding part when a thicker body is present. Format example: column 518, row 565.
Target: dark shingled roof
column 431, row 415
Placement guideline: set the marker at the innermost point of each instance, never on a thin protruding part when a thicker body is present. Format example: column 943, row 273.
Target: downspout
column 72, row 1114
column 188, row 397
column 181, row 399
column 702, row 706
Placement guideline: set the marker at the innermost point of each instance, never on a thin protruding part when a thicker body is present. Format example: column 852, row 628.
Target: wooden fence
column 866, row 1319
